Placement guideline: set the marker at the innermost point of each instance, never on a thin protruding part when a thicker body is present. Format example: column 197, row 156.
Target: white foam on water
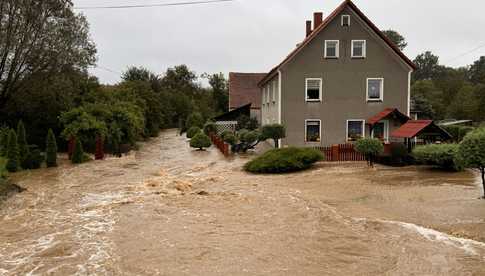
column 466, row 245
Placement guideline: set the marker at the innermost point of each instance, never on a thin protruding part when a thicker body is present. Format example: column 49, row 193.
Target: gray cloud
column 254, row 35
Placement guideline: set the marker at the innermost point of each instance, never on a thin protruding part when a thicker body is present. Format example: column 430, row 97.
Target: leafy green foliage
column 220, row 93
column 22, row 143
column 34, row 159
column 397, row 38
column 4, row 132
column 249, row 137
column 194, row 120
column 78, row 154
column 51, row 150
column 210, row 127
column 13, row 163
column 245, row 122
column 458, row 132
column 3, row 169
column 229, row 138
column 193, row 131
column 441, row 155
column 370, row 148
column 273, row 131
column 200, row 141
column 284, row 160
column 472, row 152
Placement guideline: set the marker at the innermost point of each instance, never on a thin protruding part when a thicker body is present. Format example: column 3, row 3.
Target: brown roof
column 324, row 24
column 386, row 113
column 243, row 89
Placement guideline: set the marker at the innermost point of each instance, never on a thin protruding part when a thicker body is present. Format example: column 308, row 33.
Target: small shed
column 228, row 121
column 425, row 130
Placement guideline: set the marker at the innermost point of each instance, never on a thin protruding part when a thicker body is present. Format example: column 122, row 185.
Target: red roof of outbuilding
column 243, row 89
column 411, row 128
column 381, row 115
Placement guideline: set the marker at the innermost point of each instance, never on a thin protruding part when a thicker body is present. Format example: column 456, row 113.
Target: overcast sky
column 255, row 35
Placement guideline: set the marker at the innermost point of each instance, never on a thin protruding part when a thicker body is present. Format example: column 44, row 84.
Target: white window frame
column 320, row 92
column 381, row 98
column 342, row 20
column 337, row 50
column 268, row 89
column 264, row 96
column 386, row 130
column 274, row 91
column 319, row 130
column 364, row 48
column 347, row 128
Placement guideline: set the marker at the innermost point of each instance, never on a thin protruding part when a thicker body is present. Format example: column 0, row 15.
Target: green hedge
column 284, row 160
column 444, row 156
column 193, row 131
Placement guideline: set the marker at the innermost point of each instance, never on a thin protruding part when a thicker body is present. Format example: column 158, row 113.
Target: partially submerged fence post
column 335, row 153
column 99, row 155
column 70, row 146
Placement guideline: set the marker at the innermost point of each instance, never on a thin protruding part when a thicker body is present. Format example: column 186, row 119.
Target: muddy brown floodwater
column 168, row 210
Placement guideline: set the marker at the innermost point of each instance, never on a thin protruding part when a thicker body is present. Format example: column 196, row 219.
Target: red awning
column 385, row 113
column 411, row 128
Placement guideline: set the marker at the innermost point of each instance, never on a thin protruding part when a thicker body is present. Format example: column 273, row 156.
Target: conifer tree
column 78, row 154
column 23, row 146
column 51, row 150
column 4, row 142
column 12, row 153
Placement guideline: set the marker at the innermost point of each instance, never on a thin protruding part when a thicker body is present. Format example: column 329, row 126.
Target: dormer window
column 331, row 49
column 345, row 20
column 358, row 48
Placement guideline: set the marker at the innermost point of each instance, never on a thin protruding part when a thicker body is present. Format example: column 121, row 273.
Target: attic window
column 331, row 49
column 345, row 20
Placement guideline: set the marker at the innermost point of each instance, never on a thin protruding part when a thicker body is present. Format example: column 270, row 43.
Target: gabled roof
column 324, row 24
column 386, row 113
column 233, row 115
column 243, row 89
column 415, row 127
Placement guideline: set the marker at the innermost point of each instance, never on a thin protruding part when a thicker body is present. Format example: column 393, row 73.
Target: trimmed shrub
column 193, row 131
column 245, row 122
column 443, row 156
column 225, row 133
column 230, row 138
column 194, row 120
column 284, row 160
column 200, row 141
column 250, row 137
column 4, row 141
column 13, row 163
column 51, row 150
column 78, row 154
column 210, row 127
column 370, row 148
column 273, row 131
column 472, row 152
column 34, row 158
column 22, row 143
column 458, row 132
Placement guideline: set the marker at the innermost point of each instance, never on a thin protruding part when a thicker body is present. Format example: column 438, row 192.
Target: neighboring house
column 345, row 81
column 244, row 90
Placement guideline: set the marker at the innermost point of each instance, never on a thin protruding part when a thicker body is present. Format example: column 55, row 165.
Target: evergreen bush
column 284, row 160
column 472, row 152
column 210, row 127
column 34, row 158
column 23, row 146
column 13, row 163
column 78, row 154
column 274, row 132
column 200, row 141
column 194, row 120
column 4, row 141
column 51, row 149
column 193, row 131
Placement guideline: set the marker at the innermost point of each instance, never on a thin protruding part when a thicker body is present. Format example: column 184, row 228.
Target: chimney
column 317, row 19
column 308, row 28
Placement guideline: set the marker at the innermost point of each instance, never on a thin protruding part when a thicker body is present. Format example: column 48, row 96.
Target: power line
column 107, row 69
column 152, row 5
column 466, row 53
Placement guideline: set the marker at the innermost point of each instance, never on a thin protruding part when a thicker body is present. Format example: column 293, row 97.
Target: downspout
column 409, row 93
column 279, row 102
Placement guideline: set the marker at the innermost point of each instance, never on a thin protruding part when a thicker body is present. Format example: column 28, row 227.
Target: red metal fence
column 341, row 153
column 220, row 144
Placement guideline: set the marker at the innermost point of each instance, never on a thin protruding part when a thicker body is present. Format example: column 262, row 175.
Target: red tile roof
column 385, row 113
column 411, row 128
column 243, row 89
column 322, row 26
